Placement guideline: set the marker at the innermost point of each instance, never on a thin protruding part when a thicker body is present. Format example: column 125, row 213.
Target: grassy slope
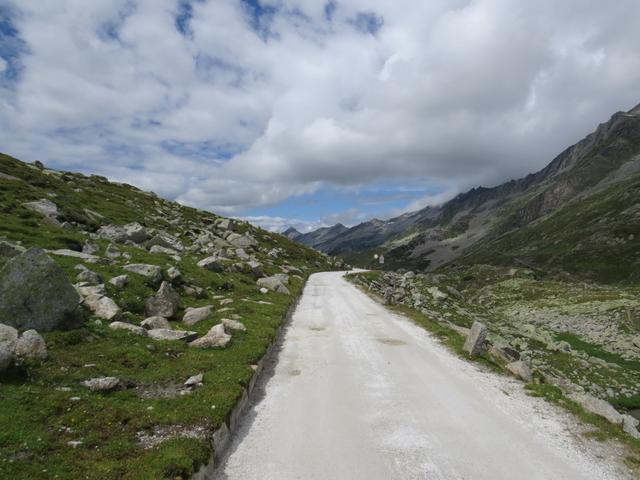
column 597, row 237
column 37, row 415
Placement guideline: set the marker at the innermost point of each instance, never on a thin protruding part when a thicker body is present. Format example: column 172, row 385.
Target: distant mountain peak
column 291, row 233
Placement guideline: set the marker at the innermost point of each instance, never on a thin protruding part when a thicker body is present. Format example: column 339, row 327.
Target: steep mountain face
column 473, row 224
column 322, row 238
column 291, row 233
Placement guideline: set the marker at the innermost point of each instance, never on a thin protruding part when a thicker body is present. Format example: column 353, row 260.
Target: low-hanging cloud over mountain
column 233, row 105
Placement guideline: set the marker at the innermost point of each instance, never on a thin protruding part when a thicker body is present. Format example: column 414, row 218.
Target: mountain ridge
column 435, row 236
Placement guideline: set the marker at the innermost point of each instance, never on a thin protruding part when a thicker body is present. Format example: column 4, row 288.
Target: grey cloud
column 457, row 93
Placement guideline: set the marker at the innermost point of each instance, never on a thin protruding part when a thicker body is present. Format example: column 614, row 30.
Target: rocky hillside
column 322, row 238
column 478, row 224
column 129, row 325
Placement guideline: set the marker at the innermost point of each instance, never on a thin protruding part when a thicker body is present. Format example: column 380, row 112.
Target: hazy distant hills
column 584, row 203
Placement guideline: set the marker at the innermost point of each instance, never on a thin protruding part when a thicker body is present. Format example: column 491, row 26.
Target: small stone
column 233, row 325
column 194, row 380
column 171, row 335
column 102, row 384
column 102, row 307
column 211, row 263
column 155, row 322
column 215, row 338
column 152, row 272
column 164, row 303
column 173, row 274
column 136, row 330
column 8, row 340
column 476, row 339
column 120, row 281
column 195, row 315
column 273, row 283
column 31, row 345
column 89, row 277
column 520, row 370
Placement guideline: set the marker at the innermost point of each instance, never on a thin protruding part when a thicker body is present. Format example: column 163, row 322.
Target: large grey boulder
column 31, row 345
column 474, row 344
column 195, row 315
column 152, row 272
column 8, row 340
column 164, row 303
column 36, row 293
column 216, row 337
column 274, row 284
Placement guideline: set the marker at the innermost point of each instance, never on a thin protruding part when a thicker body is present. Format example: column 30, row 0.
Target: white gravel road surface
column 361, row 393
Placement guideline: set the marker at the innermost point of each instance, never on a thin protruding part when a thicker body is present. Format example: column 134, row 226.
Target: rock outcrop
column 35, row 293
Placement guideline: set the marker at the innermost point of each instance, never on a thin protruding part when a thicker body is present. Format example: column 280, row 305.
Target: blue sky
column 307, row 112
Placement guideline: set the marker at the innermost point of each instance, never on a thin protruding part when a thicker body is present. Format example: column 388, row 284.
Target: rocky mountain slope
column 490, row 223
column 129, row 325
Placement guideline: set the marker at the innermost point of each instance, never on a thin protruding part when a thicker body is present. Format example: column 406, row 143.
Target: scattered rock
column 112, row 251
column 264, row 290
column 168, row 334
column 212, row 263
column 274, row 284
column 31, row 345
column 155, row 323
column 136, row 330
column 225, row 301
column 90, row 248
column 194, row 381
column 120, row 281
column 166, row 251
column 8, row 340
column 10, row 250
column 89, row 276
column 102, row 307
column 215, row 338
column 166, row 241
column 164, row 303
column 85, row 289
column 35, row 293
column 173, row 274
column 44, row 207
column 476, row 339
column 102, row 384
column 520, row 370
column 242, row 241
column 233, row 325
column 135, row 232
column 598, row 407
column 72, row 253
column 152, row 272
column 195, row 315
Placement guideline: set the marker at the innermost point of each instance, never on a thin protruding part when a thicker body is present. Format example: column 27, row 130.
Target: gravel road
column 361, row 393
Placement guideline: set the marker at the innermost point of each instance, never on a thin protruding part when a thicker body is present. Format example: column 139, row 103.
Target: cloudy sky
column 309, row 112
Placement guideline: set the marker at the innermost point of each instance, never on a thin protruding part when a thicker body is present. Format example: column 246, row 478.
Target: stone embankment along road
column 361, row 393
